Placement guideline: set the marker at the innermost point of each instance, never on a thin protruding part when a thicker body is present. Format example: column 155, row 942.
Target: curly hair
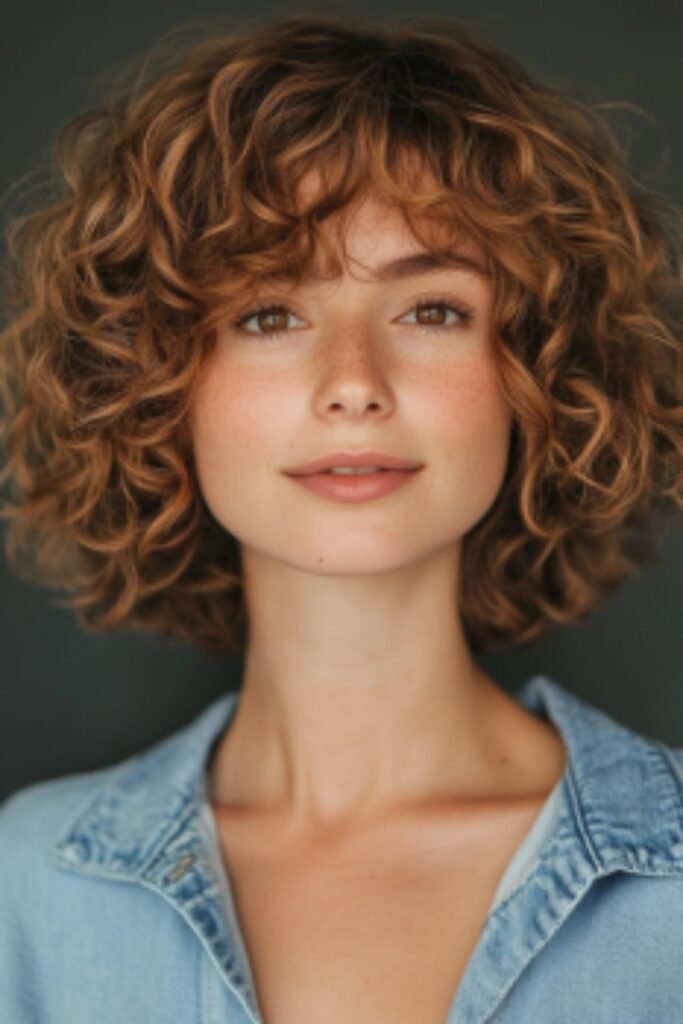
column 177, row 195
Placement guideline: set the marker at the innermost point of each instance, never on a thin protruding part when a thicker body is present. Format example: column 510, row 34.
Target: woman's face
column 356, row 367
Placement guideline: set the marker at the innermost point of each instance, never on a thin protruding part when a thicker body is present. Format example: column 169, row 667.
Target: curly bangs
column 178, row 196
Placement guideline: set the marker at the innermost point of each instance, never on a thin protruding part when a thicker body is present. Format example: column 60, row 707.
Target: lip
column 355, row 488
column 351, row 459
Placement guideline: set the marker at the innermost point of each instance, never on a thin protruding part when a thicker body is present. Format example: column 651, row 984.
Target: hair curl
column 177, row 197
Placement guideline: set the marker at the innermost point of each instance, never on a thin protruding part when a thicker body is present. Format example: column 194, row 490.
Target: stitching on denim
column 579, row 821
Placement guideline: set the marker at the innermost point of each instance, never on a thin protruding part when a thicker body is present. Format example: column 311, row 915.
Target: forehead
column 373, row 236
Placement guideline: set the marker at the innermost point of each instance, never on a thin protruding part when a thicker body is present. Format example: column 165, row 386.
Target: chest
column 381, row 931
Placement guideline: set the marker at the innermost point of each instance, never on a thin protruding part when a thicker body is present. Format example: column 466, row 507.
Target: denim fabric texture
column 115, row 907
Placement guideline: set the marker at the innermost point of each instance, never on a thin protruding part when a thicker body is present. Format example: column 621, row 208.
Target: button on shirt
column 115, row 905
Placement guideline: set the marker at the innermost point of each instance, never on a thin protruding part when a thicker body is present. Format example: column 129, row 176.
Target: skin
column 360, row 698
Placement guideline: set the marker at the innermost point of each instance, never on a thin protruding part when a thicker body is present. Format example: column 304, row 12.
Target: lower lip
column 362, row 487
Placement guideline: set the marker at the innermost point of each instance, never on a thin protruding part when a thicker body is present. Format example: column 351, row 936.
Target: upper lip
column 379, row 459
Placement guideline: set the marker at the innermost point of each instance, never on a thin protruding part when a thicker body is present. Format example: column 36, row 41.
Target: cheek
column 470, row 413
column 234, row 420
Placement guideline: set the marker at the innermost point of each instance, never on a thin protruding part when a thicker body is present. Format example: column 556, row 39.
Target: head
column 145, row 435
column 357, row 365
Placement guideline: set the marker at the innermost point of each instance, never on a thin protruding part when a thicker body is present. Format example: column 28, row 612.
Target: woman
column 350, row 348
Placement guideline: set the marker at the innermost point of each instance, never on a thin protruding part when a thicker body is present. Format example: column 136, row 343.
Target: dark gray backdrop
column 72, row 701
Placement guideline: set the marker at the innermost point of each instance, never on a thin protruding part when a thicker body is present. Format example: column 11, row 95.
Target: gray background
column 72, row 701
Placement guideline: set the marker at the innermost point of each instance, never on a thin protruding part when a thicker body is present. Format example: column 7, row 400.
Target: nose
column 354, row 374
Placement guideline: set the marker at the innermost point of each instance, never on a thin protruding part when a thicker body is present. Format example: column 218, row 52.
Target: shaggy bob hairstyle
column 179, row 195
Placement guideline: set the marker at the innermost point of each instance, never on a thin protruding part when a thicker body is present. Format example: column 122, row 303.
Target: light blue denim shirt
column 115, row 907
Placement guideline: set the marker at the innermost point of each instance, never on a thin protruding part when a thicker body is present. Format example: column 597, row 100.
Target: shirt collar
column 626, row 790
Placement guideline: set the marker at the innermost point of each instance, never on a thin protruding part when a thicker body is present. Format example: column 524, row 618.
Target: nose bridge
column 353, row 361
column 353, row 346
column 350, row 335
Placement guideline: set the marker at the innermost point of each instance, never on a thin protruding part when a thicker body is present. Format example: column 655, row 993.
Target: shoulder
column 60, row 923
column 32, row 819
column 40, row 804
column 34, row 894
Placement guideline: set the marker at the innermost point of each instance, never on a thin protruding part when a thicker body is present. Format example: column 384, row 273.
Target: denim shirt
column 115, row 906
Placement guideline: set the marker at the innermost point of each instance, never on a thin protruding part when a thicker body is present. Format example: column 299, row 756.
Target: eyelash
column 466, row 315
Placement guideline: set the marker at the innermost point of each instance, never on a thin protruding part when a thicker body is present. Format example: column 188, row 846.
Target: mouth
column 353, row 472
column 348, row 463
column 355, row 486
column 357, row 472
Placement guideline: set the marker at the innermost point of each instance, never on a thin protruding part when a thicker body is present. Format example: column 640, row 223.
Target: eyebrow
column 421, row 262
column 424, row 262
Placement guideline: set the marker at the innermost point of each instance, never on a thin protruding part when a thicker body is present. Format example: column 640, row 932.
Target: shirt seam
column 579, row 821
column 677, row 776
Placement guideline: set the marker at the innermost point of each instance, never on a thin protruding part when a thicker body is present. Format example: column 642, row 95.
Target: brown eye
column 271, row 321
column 431, row 315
